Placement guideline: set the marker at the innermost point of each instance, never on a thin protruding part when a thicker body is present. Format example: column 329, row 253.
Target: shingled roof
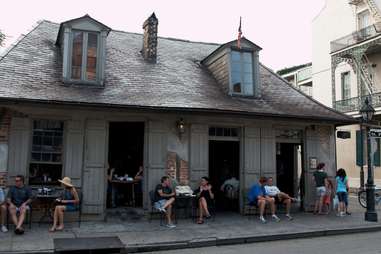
column 32, row 71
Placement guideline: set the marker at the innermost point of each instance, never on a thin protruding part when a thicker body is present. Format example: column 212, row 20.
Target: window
column 84, row 56
column 345, row 86
column 363, row 19
column 223, row 132
column 46, row 156
column 242, row 72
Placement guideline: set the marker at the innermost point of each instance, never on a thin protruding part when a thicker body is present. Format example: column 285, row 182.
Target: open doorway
column 224, row 165
column 125, row 156
column 289, row 168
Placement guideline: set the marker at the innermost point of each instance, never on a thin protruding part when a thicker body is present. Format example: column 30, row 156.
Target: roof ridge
column 307, row 97
column 19, row 39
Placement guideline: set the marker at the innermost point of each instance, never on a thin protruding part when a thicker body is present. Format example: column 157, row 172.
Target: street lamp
column 367, row 112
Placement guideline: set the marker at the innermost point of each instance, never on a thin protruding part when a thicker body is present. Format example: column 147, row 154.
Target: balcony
column 354, row 104
column 355, row 37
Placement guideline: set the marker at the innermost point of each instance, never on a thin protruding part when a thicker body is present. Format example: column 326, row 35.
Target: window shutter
column 359, row 150
column 376, row 155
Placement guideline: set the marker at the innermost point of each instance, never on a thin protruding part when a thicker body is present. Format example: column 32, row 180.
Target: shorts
column 342, row 196
column 159, row 204
column 320, row 191
column 18, row 208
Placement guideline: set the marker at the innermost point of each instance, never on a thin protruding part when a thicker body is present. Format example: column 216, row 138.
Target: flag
column 239, row 34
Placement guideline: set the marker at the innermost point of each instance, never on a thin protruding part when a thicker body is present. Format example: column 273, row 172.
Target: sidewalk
column 140, row 235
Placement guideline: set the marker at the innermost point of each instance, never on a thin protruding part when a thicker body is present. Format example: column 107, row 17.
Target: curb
column 210, row 242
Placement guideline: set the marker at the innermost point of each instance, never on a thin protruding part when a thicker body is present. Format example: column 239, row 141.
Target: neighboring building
column 346, row 64
column 77, row 95
column 299, row 76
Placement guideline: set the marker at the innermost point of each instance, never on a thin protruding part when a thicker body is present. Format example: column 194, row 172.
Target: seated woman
column 68, row 202
column 204, row 196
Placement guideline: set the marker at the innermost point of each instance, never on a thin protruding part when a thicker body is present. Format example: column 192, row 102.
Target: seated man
column 280, row 197
column 258, row 197
column 3, row 211
column 18, row 200
column 164, row 198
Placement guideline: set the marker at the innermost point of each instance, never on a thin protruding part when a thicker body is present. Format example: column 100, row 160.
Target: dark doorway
column 288, row 167
column 223, row 164
column 126, row 149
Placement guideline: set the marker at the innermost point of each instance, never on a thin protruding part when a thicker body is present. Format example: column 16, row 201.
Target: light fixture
column 181, row 126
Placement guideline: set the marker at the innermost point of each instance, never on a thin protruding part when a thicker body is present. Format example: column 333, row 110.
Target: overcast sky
column 281, row 28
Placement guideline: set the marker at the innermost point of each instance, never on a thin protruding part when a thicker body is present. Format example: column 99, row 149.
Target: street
column 365, row 243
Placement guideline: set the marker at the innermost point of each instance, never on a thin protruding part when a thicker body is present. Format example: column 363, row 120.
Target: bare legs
column 319, row 205
column 203, row 208
column 20, row 220
column 262, row 204
column 58, row 218
column 3, row 211
column 168, row 208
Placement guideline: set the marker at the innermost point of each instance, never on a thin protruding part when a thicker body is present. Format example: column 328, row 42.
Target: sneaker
column 262, row 219
column 3, row 229
column 170, row 225
column 342, row 214
column 289, row 217
column 162, row 210
column 276, row 218
column 347, row 213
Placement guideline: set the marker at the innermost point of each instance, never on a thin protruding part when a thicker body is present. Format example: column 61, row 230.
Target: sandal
column 200, row 221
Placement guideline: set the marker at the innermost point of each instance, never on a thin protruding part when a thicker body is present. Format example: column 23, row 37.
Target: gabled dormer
column 83, row 47
column 236, row 68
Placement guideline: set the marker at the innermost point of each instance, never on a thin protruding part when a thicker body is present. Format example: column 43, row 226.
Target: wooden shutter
column 252, row 156
column 19, row 144
column 268, row 153
column 94, row 175
column 199, row 153
column 74, row 151
column 157, row 153
column 359, row 149
column 376, row 156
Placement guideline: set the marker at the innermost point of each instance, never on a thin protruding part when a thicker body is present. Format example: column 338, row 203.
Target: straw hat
column 66, row 181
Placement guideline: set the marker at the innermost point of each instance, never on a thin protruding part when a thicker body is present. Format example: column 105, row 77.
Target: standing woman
column 204, row 196
column 341, row 190
column 68, row 202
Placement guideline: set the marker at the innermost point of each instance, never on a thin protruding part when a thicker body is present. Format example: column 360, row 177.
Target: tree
column 2, row 38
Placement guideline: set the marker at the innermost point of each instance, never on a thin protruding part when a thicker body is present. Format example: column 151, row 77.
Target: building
column 78, row 95
column 346, row 67
column 299, row 76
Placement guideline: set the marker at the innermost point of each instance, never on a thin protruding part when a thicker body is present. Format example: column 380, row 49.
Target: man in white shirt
column 280, row 197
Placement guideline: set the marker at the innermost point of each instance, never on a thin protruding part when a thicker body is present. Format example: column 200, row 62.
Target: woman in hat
column 68, row 202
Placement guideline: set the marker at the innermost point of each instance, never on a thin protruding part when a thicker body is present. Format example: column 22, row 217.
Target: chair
column 153, row 209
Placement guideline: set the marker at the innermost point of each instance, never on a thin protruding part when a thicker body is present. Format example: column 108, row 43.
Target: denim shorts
column 71, row 208
column 160, row 204
column 320, row 191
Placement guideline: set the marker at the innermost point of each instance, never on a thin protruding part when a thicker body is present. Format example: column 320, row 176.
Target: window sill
column 81, row 83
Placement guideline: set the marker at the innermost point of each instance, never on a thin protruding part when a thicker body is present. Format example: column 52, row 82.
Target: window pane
column 248, row 89
column 46, row 174
column 92, row 46
column 247, row 57
column 236, row 67
column 212, row 131
column 248, row 78
column 247, row 68
column 76, row 64
column 236, row 56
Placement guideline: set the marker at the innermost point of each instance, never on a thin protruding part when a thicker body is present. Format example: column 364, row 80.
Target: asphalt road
column 365, row 243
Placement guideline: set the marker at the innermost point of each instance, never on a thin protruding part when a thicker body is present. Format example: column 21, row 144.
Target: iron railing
column 354, row 38
column 355, row 103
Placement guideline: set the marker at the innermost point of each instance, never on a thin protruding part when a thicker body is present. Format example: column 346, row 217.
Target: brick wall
column 178, row 168
column 5, row 124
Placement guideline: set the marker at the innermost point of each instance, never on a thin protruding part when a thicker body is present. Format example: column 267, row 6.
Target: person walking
column 321, row 181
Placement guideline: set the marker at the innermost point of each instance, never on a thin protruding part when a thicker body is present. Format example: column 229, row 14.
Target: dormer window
column 242, row 78
column 83, row 47
column 84, row 56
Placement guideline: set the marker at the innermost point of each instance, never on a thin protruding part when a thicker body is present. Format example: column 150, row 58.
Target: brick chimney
column 149, row 50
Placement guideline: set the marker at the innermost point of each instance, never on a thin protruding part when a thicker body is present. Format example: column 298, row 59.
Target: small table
column 130, row 184
column 47, row 201
column 185, row 202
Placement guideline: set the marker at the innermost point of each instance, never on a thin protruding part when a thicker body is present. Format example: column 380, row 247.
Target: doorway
column 289, row 168
column 126, row 156
column 223, row 165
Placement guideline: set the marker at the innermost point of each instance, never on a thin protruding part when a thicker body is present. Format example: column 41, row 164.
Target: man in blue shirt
column 258, row 197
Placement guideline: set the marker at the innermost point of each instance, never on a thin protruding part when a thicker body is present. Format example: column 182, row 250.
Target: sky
column 281, row 28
